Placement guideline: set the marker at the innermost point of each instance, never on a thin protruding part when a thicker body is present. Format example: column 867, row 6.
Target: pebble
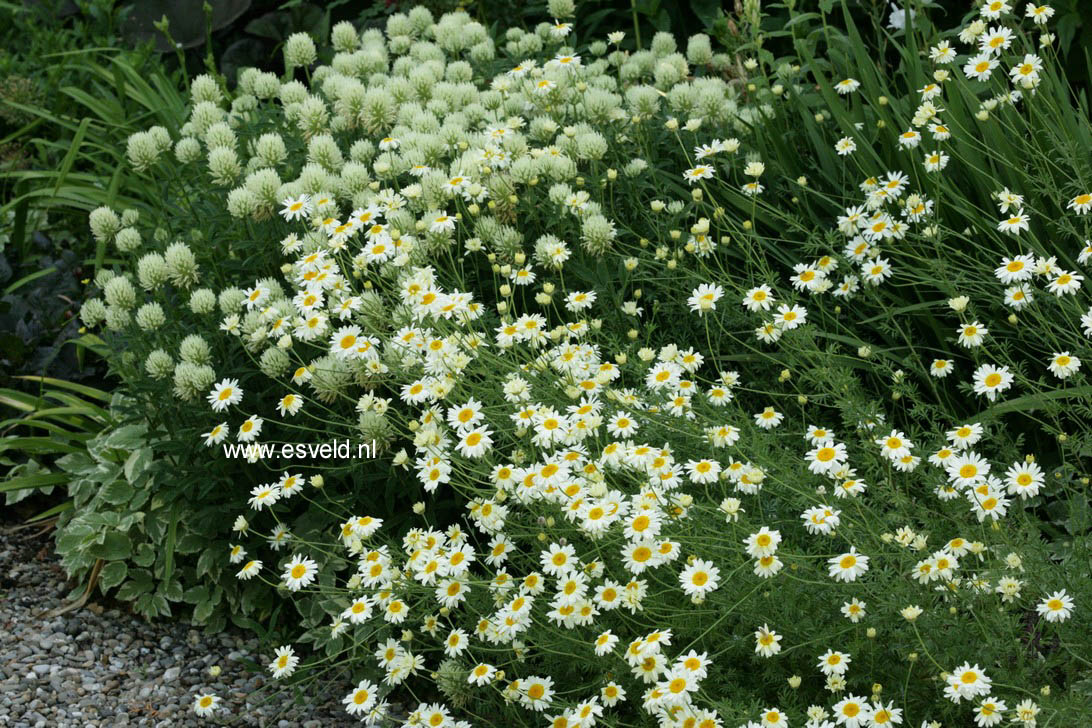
column 100, row 666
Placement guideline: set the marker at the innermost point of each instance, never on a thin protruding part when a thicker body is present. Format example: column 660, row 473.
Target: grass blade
column 66, row 163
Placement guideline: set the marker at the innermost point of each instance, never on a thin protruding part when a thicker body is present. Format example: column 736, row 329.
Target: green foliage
column 148, row 537
column 56, row 420
column 129, row 529
column 518, row 273
column 69, row 97
column 567, row 246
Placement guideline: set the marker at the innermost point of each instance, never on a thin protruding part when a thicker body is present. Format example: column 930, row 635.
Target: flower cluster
column 464, row 260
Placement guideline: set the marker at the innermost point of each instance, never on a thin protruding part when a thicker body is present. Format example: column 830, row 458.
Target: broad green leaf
column 112, row 574
column 145, row 555
column 138, row 462
column 126, row 437
column 113, row 547
column 117, row 492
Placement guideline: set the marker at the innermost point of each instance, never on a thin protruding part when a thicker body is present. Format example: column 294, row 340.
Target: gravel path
column 104, row 667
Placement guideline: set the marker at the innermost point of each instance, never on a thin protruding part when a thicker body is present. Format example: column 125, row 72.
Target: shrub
column 137, row 533
column 518, row 269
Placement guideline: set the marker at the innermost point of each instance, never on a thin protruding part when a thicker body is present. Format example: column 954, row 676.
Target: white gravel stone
column 100, row 667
